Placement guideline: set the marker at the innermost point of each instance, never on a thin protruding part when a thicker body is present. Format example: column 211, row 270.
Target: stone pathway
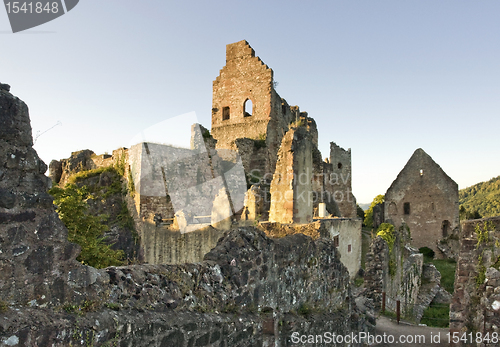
column 413, row 335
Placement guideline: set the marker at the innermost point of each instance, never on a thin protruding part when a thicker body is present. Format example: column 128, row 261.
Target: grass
column 437, row 315
column 447, row 269
column 89, row 173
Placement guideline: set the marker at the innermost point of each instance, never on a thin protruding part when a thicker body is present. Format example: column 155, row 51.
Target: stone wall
column 425, row 198
column 164, row 245
column 270, row 287
column 345, row 233
column 35, row 255
column 402, row 275
column 339, row 184
column 476, row 301
column 291, row 188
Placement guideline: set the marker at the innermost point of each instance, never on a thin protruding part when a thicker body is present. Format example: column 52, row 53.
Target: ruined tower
column 246, row 105
column 339, row 181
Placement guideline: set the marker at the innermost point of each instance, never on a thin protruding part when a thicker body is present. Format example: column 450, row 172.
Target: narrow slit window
column 225, row 113
column 406, row 207
column 248, row 108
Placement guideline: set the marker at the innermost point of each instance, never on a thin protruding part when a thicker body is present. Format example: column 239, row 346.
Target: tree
column 360, row 213
column 83, row 228
column 369, row 213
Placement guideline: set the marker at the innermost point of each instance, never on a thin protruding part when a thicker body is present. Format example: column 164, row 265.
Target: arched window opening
column 248, row 108
column 339, row 165
column 225, row 113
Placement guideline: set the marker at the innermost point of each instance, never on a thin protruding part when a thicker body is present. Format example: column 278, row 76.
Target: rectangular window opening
column 225, row 113
column 406, row 208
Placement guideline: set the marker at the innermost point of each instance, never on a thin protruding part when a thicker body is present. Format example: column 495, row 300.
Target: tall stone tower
column 340, row 186
column 245, row 105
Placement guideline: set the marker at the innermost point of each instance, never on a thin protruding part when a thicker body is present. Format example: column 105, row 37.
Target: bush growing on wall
column 84, row 229
column 369, row 213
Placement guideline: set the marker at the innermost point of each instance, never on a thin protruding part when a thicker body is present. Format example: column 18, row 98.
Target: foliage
column 79, row 176
column 85, row 229
column 86, row 306
column 120, row 165
column 130, row 184
column 297, row 123
column 481, row 275
column 446, row 268
column 386, row 232
column 466, row 214
column 305, row 309
column 360, row 213
column 483, row 235
column 427, row 252
column 369, row 213
column 3, row 306
column 206, row 134
column 436, row 315
column 483, row 197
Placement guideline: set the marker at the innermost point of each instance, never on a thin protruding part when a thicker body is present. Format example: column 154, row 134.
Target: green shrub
column 386, row 232
column 369, row 213
column 83, row 228
column 427, row 252
column 79, row 176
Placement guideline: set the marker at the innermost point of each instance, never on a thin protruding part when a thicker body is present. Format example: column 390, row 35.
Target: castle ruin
column 259, row 164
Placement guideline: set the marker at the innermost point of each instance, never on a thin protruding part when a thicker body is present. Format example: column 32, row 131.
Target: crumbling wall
column 402, row 275
column 35, row 257
column 339, row 181
column 247, row 275
column 291, row 188
column 244, row 79
column 475, row 305
column 345, row 234
column 425, row 198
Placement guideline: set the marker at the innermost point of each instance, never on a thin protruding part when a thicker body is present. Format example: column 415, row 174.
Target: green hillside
column 483, row 197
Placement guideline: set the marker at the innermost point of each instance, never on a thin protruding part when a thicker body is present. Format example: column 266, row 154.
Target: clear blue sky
column 380, row 77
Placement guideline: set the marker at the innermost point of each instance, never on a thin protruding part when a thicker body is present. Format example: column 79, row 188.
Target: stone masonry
column 242, row 294
column 425, row 198
column 475, row 305
column 291, row 189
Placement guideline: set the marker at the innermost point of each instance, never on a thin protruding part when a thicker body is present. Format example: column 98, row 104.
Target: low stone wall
column 402, row 275
column 163, row 245
column 345, row 232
